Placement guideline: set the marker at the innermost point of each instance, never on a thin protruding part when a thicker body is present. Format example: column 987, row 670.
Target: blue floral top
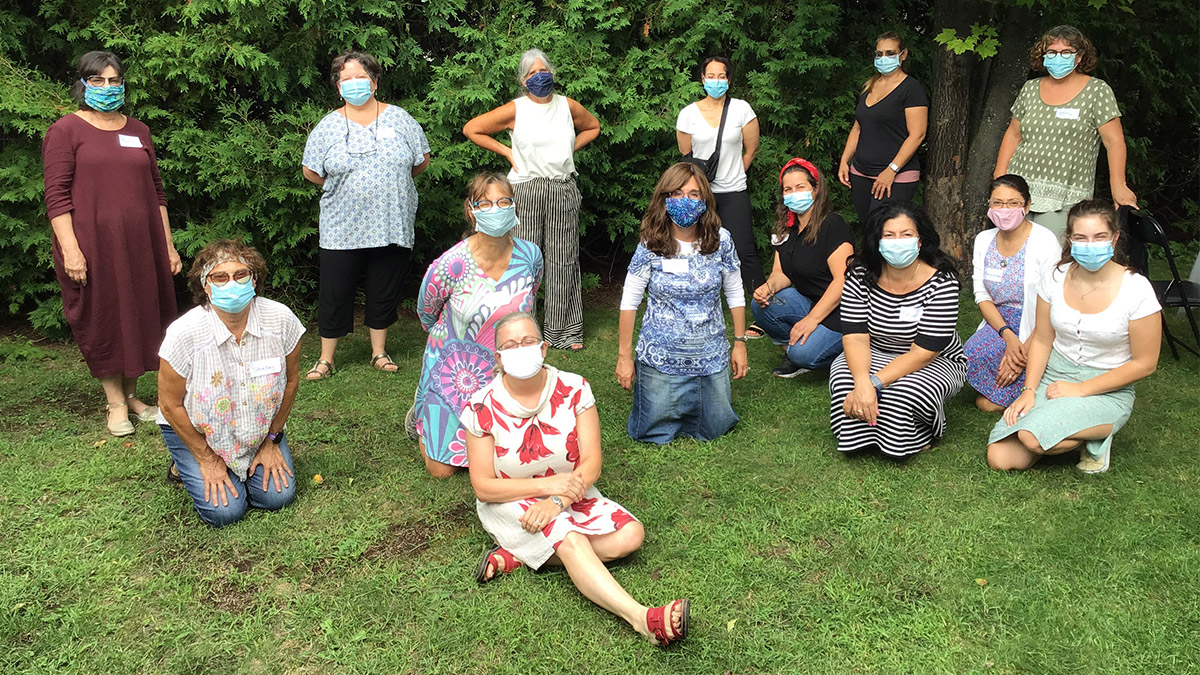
column 369, row 198
column 683, row 329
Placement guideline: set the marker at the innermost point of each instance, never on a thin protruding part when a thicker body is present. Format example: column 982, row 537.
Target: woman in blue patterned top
column 364, row 155
column 684, row 261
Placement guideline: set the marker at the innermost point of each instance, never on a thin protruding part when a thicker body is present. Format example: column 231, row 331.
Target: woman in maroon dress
column 113, row 253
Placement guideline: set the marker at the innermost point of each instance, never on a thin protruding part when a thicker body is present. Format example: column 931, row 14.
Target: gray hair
column 527, row 61
column 513, row 317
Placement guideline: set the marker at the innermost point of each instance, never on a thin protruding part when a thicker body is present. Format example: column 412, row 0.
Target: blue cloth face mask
column 103, row 99
column 716, row 88
column 798, row 202
column 900, row 253
column 233, row 297
column 540, row 84
column 1092, row 255
column 497, row 221
column 685, row 211
column 886, row 64
column 356, row 91
column 1059, row 66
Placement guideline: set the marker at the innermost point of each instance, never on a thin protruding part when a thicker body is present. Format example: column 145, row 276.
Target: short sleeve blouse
column 369, row 198
column 1099, row 340
column 731, row 173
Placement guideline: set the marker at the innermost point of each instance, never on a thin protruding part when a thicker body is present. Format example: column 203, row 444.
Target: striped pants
column 549, row 213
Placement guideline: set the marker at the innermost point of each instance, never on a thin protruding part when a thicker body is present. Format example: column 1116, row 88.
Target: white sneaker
column 1089, row 464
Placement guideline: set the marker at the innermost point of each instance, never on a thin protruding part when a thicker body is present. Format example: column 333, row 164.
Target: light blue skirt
column 1052, row 421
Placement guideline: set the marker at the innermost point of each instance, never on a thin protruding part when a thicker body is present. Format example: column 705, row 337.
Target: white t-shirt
column 731, row 175
column 543, row 139
column 1099, row 340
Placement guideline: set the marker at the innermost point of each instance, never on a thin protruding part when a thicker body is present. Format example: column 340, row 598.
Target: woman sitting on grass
column 1098, row 331
column 533, row 444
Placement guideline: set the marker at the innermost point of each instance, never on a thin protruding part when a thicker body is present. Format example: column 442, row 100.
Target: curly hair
column 656, row 231
column 870, row 261
column 368, row 63
column 1086, row 60
column 217, row 252
column 1094, row 208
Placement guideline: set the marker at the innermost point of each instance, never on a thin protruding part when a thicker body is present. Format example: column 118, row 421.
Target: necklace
column 907, row 282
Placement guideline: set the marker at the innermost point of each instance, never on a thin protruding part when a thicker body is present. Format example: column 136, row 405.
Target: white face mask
column 522, row 362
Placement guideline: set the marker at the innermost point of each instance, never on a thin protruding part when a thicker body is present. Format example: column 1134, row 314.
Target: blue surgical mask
column 497, row 221
column 900, row 253
column 685, row 211
column 1059, row 66
column 886, row 64
column 540, row 84
column 1092, row 255
column 233, row 297
column 356, row 91
column 103, row 99
column 798, row 202
column 716, row 88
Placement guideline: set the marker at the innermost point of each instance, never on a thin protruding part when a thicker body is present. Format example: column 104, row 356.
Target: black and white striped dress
column 911, row 411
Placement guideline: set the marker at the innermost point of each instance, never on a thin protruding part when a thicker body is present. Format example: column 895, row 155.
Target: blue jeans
column 785, row 310
column 250, row 493
column 666, row 407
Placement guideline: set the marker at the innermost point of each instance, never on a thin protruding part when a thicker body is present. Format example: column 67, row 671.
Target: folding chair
column 1142, row 229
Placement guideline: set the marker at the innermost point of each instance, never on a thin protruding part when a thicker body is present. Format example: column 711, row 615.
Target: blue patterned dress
column 985, row 348
column 459, row 306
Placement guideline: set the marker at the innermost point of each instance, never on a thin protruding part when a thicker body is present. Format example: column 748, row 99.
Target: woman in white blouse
column 1098, row 331
column 696, row 132
column 227, row 378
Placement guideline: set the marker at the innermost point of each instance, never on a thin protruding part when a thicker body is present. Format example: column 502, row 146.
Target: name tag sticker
column 386, row 133
column 266, row 367
column 128, row 141
column 1067, row 113
column 675, row 265
column 993, row 274
column 911, row 314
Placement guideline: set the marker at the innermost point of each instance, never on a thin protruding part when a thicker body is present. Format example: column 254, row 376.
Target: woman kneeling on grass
column 227, row 379
column 533, row 444
column 1098, row 331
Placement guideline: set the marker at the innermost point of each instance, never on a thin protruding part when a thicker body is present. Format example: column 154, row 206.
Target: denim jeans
column 250, row 493
column 666, row 407
column 785, row 310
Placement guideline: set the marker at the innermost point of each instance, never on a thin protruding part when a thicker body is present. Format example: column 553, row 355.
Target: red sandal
column 657, row 617
column 496, row 556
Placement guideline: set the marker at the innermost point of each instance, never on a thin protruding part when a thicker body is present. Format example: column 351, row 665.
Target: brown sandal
column 329, row 372
column 383, row 367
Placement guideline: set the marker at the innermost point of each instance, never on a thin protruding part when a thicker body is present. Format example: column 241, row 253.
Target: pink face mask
column 1006, row 219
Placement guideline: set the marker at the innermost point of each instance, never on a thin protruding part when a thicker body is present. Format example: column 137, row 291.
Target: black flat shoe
column 787, row 370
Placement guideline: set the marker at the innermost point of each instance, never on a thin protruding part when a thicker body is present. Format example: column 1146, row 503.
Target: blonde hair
column 890, row 35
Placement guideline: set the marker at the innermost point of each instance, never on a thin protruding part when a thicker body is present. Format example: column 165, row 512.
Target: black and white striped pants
column 549, row 213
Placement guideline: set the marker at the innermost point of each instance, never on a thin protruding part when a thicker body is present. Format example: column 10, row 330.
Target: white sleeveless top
column 543, row 140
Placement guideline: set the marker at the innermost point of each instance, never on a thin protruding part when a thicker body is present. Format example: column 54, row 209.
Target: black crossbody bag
column 709, row 166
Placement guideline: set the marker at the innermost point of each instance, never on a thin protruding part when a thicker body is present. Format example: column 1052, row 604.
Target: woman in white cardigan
column 1009, row 262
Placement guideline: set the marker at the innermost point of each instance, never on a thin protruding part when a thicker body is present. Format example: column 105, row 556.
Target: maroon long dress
column 108, row 181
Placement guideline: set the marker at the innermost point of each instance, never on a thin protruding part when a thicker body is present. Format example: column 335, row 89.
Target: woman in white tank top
column 546, row 129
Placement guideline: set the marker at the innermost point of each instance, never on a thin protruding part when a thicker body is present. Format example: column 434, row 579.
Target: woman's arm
column 832, row 296
column 749, row 143
column 684, row 141
column 172, row 254
column 1113, row 137
column 625, row 367
column 489, row 488
column 775, row 283
column 587, row 127
column 1008, row 146
column 917, row 120
column 481, row 129
column 1145, row 341
column 312, row 176
column 74, row 262
column 420, row 168
column 172, row 389
column 847, row 154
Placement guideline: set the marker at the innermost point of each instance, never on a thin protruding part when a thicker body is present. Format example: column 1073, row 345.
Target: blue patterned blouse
column 369, row 198
column 683, row 329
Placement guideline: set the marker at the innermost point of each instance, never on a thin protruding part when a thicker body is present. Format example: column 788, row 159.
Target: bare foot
column 986, row 405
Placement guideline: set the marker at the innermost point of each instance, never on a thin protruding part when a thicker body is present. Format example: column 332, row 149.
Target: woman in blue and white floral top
column 684, row 261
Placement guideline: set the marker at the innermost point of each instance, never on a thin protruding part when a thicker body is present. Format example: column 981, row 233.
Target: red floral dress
column 534, row 443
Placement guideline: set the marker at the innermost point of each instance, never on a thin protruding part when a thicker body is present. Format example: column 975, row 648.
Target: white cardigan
column 1042, row 253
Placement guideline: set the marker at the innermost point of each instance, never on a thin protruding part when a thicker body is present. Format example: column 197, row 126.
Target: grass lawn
column 797, row 559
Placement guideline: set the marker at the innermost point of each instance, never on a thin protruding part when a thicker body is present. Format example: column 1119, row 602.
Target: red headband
column 803, row 164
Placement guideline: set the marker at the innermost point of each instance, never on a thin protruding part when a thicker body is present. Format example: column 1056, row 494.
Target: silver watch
column 559, row 503
column 877, row 383
column 893, row 167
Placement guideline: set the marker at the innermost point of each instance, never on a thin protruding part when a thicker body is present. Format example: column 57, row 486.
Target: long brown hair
column 890, row 35
column 656, row 233
column 477, row 189
column 1102, row 209
column 820, row 208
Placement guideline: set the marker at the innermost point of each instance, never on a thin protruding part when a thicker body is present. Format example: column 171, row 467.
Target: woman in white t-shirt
column 696, row 132
column 1098, row 331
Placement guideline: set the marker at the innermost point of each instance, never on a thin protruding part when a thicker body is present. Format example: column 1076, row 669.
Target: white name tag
column 128, row 141
column 266, row 367
column 1067, row 113
column 386, row 132
column 993, row 274
column 911, row 314
column 675, row 265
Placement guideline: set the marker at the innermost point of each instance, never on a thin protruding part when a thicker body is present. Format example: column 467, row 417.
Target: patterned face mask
column 103, row 99
column 685, row 211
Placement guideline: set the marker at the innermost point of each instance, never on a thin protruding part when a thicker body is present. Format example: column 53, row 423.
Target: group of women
column 1067, row 329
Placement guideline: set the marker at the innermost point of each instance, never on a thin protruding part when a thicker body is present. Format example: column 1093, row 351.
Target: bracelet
column 1025, row 389
column 739, row 338
column 1001, row 329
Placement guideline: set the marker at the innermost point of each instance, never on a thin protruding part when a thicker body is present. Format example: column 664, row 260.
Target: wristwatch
column 559, row 503
column 275, row 437
column 1004, row 328
column 739, row 338
column 877, row 383
column 893, row 167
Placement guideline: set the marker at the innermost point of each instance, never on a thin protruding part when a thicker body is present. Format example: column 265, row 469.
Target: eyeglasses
column 529, row 341
column 365, row 150
column 889, row 52
column 241, row 276
column 1011, row 204
column 98, row 81
column 488, row 205
column 1066, row 53
column 694, row 194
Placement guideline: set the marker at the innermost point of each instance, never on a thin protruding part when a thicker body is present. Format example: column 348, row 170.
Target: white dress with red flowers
column 534, row 443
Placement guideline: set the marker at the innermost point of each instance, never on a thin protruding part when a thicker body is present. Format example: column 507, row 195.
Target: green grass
column 797, row 559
